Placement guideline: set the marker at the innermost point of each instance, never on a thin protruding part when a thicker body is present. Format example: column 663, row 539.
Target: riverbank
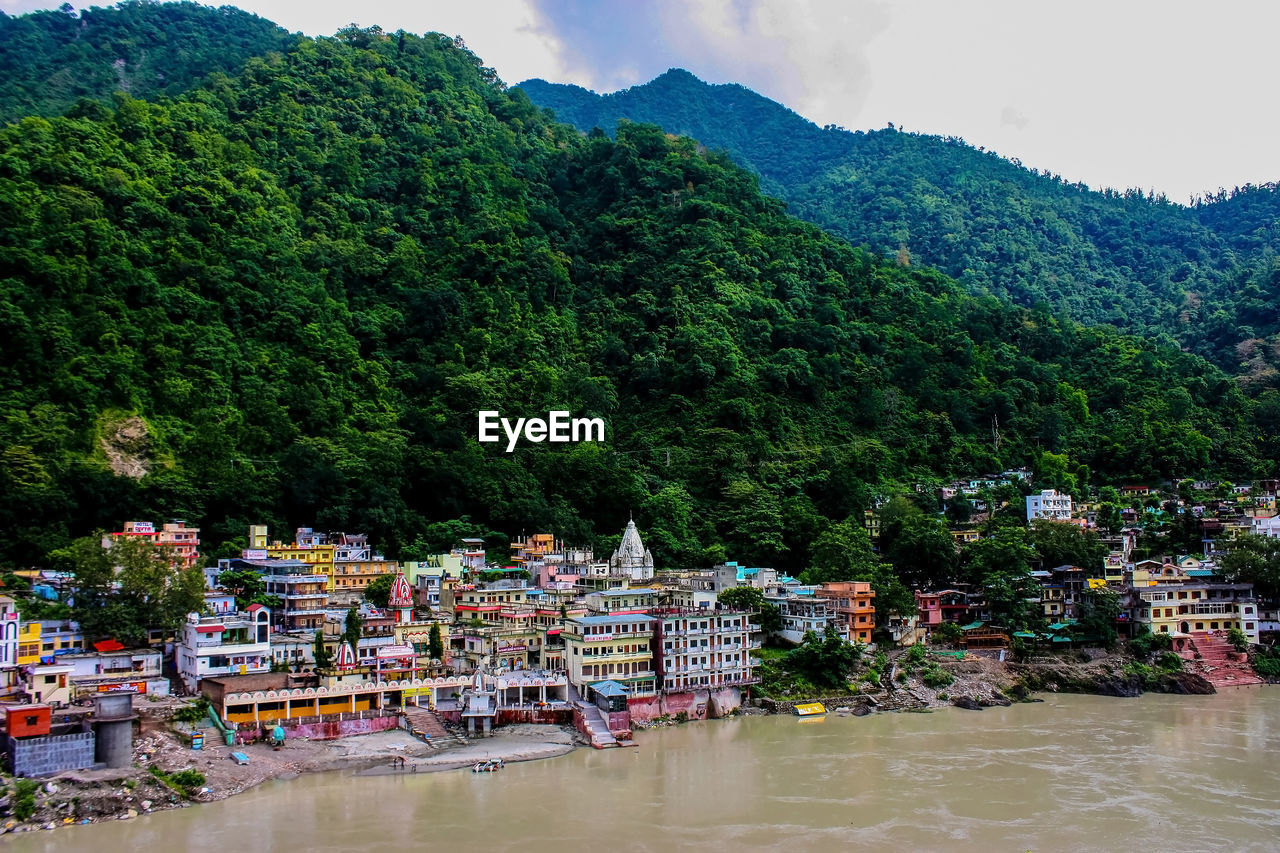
column 975, row 682
column 93, row 796
column 972, row 682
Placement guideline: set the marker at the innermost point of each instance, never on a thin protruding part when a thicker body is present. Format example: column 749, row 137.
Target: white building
column 228, row 643
column 804, row 613
column 704, row 650
column 9, row 630
column 1049, row 504
column 111, row 668
column 1267, row 526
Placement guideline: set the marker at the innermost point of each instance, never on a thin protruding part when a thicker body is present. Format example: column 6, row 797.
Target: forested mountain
column 1205, row 276
column 283, row 297
column 49, row 60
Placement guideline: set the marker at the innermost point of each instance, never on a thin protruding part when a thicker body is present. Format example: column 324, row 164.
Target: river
column 1072, row 773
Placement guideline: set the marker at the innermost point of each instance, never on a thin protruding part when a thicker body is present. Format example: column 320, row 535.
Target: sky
column 1171, row 96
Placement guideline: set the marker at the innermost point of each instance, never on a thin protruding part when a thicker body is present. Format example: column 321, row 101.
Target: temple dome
column 401, row 592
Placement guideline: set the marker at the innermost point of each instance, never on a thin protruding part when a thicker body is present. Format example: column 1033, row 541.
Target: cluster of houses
column 551, row 633
column 1184, row 596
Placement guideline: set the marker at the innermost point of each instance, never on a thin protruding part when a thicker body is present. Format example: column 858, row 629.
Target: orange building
column 854, row 605
column 183, row 541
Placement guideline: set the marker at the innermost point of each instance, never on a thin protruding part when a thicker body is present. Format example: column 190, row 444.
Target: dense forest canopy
column 49, row 60
column 283, row 296
column 1204, row 276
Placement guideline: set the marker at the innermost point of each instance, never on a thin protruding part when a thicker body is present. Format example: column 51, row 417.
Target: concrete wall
column 701, row 704
column 44, row 756
column 115, row 743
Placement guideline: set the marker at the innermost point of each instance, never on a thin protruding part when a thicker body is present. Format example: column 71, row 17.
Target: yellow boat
column 810, row 709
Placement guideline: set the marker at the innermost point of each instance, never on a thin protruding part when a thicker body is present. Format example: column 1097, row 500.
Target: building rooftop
column 623, row 619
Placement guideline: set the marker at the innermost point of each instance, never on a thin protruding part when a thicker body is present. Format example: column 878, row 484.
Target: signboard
column 125, row 687
column 395, row 651
column 253, row 554
column 143, row 527
column 502, row 650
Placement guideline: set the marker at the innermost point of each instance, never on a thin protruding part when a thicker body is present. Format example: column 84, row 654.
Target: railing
column 210, row 644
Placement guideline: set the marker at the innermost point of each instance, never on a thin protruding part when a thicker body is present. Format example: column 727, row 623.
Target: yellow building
column 319, row 556
column 29, row 644
column 355, row 575
column 611, row 648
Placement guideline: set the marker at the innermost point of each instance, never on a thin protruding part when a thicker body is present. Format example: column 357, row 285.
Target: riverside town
column 535, row 446
column 317, row 652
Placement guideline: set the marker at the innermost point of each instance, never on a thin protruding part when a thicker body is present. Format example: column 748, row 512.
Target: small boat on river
column 492, row 765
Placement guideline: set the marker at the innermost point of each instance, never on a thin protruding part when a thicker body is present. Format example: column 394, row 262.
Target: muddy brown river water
column 1158, row 773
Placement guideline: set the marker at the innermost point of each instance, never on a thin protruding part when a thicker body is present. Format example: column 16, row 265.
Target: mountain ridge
column 1202, row 275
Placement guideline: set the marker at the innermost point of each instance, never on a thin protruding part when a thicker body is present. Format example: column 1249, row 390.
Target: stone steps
column 423, row 721
column 1218, row 664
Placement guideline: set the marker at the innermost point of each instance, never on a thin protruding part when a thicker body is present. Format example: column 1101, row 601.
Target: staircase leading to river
column 1220, row 664
column 423, row 721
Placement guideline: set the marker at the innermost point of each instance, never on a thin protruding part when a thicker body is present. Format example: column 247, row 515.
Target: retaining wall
column 45, row 756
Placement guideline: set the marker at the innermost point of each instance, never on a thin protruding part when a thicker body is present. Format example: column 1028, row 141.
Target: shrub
column 194, row 712
column 1237, row 639
column 935, row 677
column 1144, row 646
column 24, row 799
column 1169, row 662
column 187, row 778
column 1267, row 663
column 915, row 654
column 948, row 633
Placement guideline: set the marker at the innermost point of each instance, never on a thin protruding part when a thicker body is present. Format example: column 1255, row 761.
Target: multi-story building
column 308, row 547
column 483, row 601
column 1050, row 505
column 227, row 643
column 805, row 612
column 616, row 647
column 356, row 565
column 621, row 600
column 854, row 607
column 10, row 628
column 1060, row 592
column 182, row 541
column 929, row 609
column 1190, row 607
column 29, row 646
column 300, row 587
column 697, row 649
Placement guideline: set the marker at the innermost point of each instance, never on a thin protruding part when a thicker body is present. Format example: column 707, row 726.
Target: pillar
column 113, row 729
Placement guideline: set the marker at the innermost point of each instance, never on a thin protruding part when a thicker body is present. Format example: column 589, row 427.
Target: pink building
column 929, row 608
column 183, row 540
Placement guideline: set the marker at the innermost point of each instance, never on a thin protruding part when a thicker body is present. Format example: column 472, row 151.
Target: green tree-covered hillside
column 1205, row 276
column 283, row 297
column 49, row 60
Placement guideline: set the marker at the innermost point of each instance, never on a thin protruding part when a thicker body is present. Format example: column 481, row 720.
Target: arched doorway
column 1185, row 628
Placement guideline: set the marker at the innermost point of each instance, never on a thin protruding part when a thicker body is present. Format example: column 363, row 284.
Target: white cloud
column 1174, row 96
